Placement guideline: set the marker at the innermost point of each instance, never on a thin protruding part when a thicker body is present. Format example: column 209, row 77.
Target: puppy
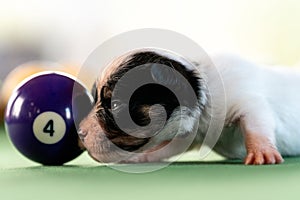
column 261, row 109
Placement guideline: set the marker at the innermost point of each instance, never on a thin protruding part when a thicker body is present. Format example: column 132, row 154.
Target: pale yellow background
column 262, row 30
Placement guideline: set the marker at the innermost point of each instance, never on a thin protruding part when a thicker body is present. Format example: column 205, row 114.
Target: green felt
column 85, row 179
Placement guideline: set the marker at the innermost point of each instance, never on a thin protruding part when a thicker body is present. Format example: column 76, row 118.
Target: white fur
column 267, row 97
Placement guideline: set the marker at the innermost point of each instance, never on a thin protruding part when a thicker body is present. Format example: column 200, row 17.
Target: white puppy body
column 263, row 103
column 261, row 111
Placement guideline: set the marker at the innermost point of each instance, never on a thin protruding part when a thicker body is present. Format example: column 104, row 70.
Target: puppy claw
column 249, row 159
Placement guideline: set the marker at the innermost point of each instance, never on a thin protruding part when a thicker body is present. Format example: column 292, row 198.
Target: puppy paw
column 134, row 159
column 261, row 156
column 143, row 158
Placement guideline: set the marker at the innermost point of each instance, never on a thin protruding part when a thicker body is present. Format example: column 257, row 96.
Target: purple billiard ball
column 42, row 115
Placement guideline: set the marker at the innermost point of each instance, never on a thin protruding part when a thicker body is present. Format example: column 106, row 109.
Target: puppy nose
column 82, row 134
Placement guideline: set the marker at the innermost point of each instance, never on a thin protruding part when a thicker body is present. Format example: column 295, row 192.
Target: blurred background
column 67, row 31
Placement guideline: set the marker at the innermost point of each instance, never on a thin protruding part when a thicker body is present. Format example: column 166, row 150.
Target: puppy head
column 152, row 114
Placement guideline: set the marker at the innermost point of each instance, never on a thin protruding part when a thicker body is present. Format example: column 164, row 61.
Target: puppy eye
column 115, row 104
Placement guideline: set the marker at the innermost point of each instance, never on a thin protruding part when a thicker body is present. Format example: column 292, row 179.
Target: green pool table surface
column 83, row 178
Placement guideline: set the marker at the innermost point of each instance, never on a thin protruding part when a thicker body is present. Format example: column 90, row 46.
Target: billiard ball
column 25, row 70
column 43, row 114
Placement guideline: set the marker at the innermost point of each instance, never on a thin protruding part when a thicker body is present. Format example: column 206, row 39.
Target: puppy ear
column 95, row 92
column 106, row 92
column 177, row 82
column 164, row 75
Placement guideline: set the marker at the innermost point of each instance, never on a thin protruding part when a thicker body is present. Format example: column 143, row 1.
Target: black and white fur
column 261, row 116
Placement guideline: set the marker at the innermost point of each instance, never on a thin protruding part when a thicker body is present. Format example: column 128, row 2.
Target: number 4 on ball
column 49, row 128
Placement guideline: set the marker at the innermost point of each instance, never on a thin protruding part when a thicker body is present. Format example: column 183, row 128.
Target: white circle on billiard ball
column 49, row 127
